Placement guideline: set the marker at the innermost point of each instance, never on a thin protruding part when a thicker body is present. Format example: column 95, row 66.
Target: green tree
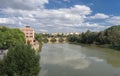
column 21, row 60
column 41, row 38
column 10, row 37
column 72, row 38
column 38, row 37
column 1, row 67
column 102, row 38
column 113, row 34
column 88, row 37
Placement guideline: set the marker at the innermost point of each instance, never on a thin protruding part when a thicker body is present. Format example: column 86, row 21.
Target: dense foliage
column 10, row 37
column 21, row 60
column 113, row 35
column 110, row 37
column 41, row 38
column 38, row 37
column 61, row 39
column 53, row 39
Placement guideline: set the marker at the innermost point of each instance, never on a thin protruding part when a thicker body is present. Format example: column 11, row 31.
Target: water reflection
column 113, row 58
column 65, row 57
column 109, row 55
column 76, row 60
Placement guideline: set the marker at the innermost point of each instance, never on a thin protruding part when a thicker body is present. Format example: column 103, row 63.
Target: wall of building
column 29, row 34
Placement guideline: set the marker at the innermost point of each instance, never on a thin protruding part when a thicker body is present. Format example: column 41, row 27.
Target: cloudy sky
column 60, row 15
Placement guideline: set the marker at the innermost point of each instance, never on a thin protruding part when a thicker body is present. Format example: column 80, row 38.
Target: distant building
column 72, row 33
column 29, row 34
column 43, row 33
column 77, row 33
column 54, row 34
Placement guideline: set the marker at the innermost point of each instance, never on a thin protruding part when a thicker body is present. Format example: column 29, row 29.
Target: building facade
column 29, row 34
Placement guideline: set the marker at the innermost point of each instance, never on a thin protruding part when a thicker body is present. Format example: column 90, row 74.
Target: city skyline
column 60, row 15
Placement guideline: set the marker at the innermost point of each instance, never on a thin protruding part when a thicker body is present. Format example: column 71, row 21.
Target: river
column 78, row 60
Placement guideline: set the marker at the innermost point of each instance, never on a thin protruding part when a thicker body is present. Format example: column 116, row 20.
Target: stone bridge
column 57, row 39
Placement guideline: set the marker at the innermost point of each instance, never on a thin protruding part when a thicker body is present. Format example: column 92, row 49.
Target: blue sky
column 60, row 15
column 110, row 7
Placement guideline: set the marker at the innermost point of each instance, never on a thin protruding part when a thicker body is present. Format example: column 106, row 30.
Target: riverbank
column 109, row 38
column 37, row 46
column 101, row 46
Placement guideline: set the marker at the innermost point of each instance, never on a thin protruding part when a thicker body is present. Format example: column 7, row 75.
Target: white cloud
column 6, row 21
column 66, row 0
column 75, row 60
column 42, row 30
column 23, row 4
column 99, row 16
column 33, row 13
column 81, row 10
column 57, row 18
column 115, row 20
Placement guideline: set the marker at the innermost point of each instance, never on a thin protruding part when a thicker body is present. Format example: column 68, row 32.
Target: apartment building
column 29, row 34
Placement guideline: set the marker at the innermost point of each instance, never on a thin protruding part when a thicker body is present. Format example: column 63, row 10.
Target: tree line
column 21, row 58
column 44, row 37
column 110, row 37
column 10, row 37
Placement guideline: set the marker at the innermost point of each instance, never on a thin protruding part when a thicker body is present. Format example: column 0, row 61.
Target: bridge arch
column 57, row 39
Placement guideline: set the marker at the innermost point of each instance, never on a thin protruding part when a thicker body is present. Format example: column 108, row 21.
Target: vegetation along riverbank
column 108, row 38
column 21, row 58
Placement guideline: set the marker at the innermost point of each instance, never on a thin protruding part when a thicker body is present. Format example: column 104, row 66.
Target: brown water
column 76, row 60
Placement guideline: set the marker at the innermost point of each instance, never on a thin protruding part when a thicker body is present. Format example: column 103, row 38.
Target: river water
column 78, row 60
